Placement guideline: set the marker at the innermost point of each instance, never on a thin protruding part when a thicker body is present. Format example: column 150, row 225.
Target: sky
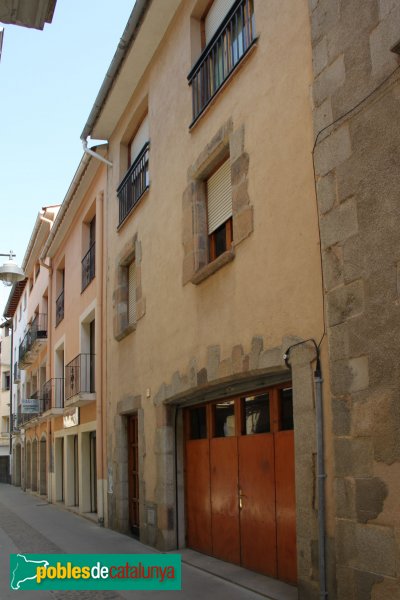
column 49, row 81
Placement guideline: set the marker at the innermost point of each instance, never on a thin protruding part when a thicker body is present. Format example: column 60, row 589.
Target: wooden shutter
column 132, row 293
column 215, row 16
column 141, row 137
column 219, row 197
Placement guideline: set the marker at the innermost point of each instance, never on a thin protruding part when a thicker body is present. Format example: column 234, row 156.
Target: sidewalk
column 28, row 524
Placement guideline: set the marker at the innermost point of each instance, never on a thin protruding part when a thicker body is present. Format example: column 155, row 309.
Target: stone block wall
column 357, row 160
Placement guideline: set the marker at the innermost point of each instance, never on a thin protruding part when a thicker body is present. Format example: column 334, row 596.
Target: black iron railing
column 223, row 53
column 52, row 394
column 88, row 266
column 37, row 331
column 60, row 308
column 79, row 376
column 134, row 184
column 17, row 373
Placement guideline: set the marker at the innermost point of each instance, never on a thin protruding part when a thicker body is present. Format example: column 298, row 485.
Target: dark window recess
column 134, row 184
column 286, row 409
column 227, row 47
column 224, row 419
column 220, row 240
column 256, row 414
column 198, row 423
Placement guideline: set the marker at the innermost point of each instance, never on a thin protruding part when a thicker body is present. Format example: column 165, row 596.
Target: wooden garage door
column 240, row 500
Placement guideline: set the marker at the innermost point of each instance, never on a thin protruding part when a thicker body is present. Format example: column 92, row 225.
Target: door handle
column 241, row 496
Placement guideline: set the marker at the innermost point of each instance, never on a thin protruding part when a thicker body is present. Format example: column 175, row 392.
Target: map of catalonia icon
column 24, row 570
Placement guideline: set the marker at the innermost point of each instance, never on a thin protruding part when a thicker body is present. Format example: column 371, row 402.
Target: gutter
column 130, row 32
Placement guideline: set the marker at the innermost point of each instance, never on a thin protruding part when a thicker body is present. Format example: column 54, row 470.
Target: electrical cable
column 337, row 120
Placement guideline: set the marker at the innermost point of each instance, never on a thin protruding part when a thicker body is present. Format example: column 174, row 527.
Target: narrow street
column 28, row 524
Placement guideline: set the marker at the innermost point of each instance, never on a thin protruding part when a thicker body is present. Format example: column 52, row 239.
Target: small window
column 256, row 413
column 219, row 210
column 224, row 419
column 37, row 271
column 132, row 293
column 198, row 423
column 25, row 301
column 286, row 409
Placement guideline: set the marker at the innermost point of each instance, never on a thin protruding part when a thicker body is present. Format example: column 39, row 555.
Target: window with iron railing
column 225, row 50
column 79, row 375
column 134, row 184
column 53, row 394
column 60, row 308
column 88, row 266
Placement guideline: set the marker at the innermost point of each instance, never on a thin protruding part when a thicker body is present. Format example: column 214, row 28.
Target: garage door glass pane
column 256, row 414
column 198, row 423
column 224, row 416
column 286, row 408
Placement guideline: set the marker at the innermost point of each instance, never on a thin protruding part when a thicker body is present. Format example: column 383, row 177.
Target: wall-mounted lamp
column 10, row 272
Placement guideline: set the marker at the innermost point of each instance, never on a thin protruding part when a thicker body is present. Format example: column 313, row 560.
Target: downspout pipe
column 94, row 154
column 321, row 475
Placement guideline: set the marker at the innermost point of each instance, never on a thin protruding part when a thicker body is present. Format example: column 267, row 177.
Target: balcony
column 88, row 266
column 34, row 341
column 16, row 373
column 134, row 184
column 79, row 380
column 226, row 49
column 52, row 397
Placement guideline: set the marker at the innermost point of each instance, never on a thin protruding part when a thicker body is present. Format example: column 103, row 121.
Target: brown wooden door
column 198, row 504
column 285, row 506
column 240, row 491
column 224, row 499
column 133, row 474
column 257, row 501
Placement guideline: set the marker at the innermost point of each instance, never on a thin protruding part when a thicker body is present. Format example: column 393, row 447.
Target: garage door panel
column 198, row 506
column 286, row 506
column 224, row 499
column 257, row 515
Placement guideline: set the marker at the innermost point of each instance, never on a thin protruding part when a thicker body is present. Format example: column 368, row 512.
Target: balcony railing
column 52, row 394
column 223, row 53
column 37, row 331
column 60, row 308
column 79, row 376
column 134, row 184
column 17, row 373
column 88, row 266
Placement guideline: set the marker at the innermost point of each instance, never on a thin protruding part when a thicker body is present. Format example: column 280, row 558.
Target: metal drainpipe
column 11, row 396
column 321, row 476
column 94, row 154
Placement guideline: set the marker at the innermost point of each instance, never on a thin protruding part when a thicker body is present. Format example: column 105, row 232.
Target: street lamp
column 10, row 272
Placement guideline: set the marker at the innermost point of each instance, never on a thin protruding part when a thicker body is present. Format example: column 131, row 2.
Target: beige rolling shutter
column 215, row 16
column 141, row 137
column 219, row 197
column 132, row 293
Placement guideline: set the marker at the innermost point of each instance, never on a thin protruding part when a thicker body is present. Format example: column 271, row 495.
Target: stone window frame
column 226, row 143
column 130, row 252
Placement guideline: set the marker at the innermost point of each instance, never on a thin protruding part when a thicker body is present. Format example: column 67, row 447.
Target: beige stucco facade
column 202, row 330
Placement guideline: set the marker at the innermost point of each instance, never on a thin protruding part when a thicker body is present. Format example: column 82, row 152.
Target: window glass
column 286, row 408
column 256, row 414
column 198, row 423
column 224, row 419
